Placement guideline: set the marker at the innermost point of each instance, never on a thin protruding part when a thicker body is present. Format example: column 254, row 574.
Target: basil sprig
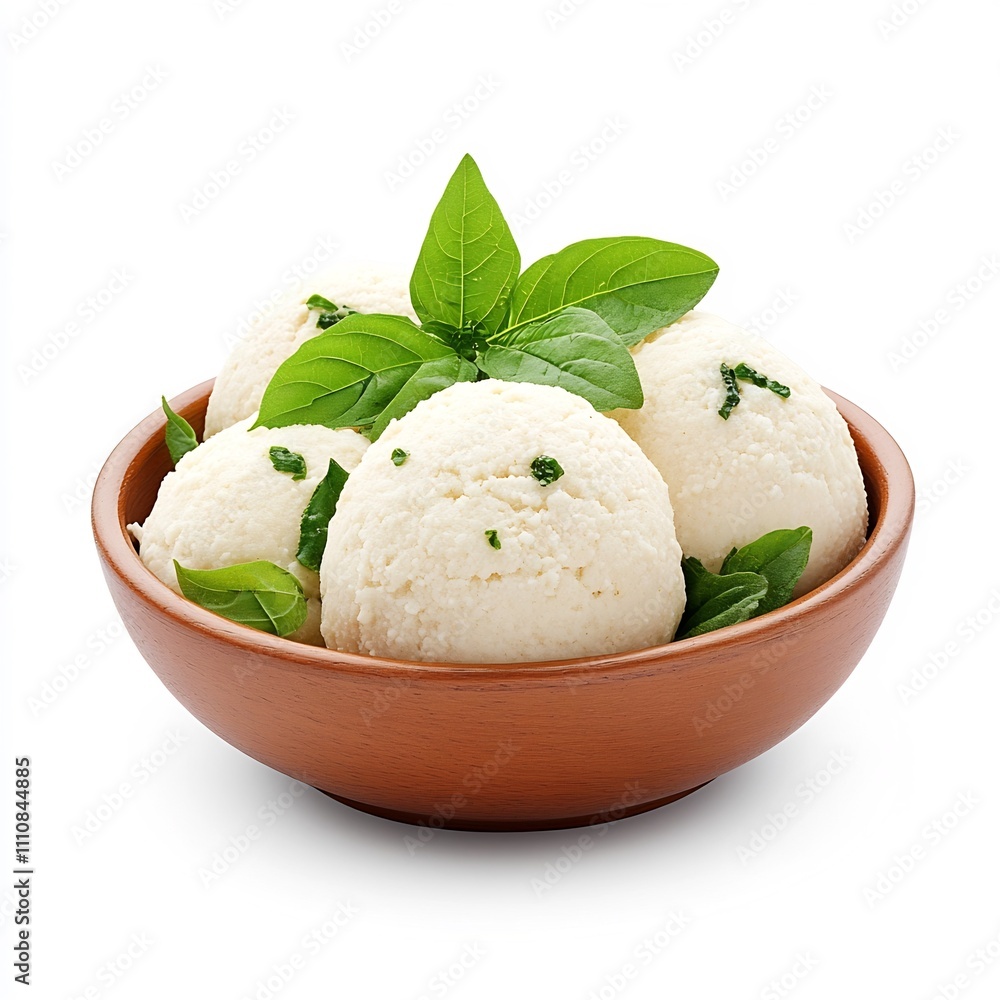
column 752, row 580
column 259, row 594
column 315, row 524
column 291, row 462
column 567, row 321
column 179, row 435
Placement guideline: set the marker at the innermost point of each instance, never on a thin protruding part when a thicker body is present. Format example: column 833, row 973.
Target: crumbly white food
column 225, row 503
column 278, row 334
column 587, row 565
column 775, row 463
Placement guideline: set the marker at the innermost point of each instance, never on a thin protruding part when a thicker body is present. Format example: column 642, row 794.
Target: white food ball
column 278, row 335
column 225, row 503
column 775, row 463
column 587, row 565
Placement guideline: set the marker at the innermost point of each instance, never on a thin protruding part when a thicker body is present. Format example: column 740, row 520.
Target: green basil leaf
column 258, row 594
column 429, row 378
column 546, row 470
column 179, row 435
column 330, row 313
column 780, row 557
column 574, row 349
column 715, row 601
column 468, row 262
column 399, row 456
column 316, row 517
column 635, row 283
column 349, row 376
column 747, row 374
column 288, row 461
column 732, row 388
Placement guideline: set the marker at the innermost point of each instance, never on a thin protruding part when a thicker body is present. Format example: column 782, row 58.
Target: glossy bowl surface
column 511, row 746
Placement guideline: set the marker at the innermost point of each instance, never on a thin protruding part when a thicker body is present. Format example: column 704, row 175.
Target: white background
column 821, row 907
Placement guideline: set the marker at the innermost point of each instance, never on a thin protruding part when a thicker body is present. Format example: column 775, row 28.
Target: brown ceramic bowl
column 514, row 746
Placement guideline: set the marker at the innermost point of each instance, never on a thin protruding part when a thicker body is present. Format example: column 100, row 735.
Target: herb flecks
column 284, row 460
column 748, row 374
column 546, row 470
column 744, row 373
column 329, row 312
column 399, row 456
column 315, row 524
column 493, row 537
column 732, row 390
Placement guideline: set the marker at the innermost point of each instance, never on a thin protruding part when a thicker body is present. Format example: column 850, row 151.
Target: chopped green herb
column 492, row 537
column 288, row 461
column 258, row 594
column 747, row 374
column 399, row 456
column 732, row 390
column 316, row 517
column 546, row 470
column 179, row 435
column 330, row 313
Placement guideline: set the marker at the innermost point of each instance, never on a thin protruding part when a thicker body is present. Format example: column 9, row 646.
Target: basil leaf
column 179, row 435
column 546, row 470
column 288, row 461
column 315, row 523
column 348, row 377
column 428, row 378
column 330, row 312
column 780, row 557
column 635, row 283
column 468, row 262
column 258, row 594
column 715, row 601
column 574, row 349
column 493, row 537
column 399, row 456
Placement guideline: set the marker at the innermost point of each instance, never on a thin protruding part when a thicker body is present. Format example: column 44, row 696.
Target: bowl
column 522, row 746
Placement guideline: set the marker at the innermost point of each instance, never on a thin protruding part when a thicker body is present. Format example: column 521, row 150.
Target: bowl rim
column 892, row 523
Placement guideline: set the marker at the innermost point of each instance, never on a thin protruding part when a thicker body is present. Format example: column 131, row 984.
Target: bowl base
column 512, row 825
